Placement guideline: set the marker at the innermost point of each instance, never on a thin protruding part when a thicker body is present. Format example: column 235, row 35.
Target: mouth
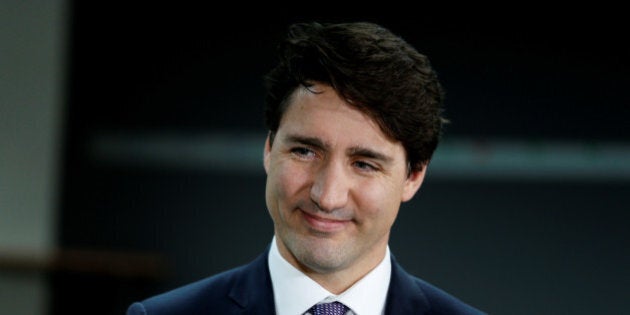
column 325, row 225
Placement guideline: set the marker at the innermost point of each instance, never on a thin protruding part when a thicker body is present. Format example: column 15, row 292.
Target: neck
column 339, row 281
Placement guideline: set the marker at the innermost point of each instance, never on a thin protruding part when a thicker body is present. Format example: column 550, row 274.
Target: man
column 354, row 115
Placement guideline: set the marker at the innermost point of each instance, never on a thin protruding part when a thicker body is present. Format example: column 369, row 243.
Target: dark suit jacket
column 247, row 290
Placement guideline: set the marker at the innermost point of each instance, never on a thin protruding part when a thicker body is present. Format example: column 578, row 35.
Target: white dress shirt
column 294, row 292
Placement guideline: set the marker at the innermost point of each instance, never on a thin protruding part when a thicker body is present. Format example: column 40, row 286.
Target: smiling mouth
column 324, row 225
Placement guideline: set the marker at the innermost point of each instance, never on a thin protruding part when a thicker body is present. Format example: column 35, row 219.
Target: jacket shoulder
column 226, row 293
column 442, row 302
column 409, row 294
column 200, row 296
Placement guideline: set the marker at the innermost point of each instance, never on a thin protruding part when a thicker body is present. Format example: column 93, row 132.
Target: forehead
column 322, row 104
column 319, row 112
column 308, row 102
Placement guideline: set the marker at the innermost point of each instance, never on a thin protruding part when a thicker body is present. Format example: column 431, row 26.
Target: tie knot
column 333, row 308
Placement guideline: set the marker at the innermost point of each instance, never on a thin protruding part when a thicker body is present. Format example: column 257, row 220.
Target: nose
column 330, row 187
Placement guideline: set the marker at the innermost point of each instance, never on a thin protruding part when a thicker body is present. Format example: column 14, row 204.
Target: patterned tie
column 334, row 308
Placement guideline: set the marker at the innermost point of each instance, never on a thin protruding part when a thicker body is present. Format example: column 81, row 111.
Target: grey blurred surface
column 523, row 210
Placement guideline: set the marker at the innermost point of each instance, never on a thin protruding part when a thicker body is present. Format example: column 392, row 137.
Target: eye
column 364, row 166
column 302, row 152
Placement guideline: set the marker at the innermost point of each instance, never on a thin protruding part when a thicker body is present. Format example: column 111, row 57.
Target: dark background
column 507, row 245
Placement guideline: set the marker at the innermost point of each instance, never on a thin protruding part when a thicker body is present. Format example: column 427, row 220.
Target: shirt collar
column 295, row 293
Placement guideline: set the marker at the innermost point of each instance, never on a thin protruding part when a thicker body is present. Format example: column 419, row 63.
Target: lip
column 324, row 225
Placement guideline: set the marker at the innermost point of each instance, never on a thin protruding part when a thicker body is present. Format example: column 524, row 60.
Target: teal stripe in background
column 454, row 158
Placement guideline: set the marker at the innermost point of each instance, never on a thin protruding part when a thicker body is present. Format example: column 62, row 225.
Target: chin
column 320, row 254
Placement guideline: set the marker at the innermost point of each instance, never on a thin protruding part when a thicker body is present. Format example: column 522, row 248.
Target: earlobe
column 413, row 183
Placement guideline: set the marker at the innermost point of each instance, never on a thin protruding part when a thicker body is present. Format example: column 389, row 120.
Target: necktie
column 333, row 308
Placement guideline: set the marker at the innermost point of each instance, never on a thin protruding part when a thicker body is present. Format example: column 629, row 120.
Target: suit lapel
column 404, row 295
column 252, row 291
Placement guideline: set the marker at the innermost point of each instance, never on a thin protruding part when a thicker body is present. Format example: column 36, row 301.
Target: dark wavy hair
column 371, row 68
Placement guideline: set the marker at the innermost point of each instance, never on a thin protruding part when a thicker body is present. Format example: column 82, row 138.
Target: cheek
column 284, row 183
column 378, row 203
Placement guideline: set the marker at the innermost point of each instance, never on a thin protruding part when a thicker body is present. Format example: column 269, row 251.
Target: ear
column 413, row 183
column 267, row 154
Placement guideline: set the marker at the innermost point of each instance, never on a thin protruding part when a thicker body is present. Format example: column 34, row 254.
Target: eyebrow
column 310, row 141
column 369, row 153
column 353, row 151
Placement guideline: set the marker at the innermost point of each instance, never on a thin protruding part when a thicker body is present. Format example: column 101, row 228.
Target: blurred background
column 131, row 140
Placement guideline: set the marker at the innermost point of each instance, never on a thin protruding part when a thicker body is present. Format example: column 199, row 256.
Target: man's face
column 334, row 184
